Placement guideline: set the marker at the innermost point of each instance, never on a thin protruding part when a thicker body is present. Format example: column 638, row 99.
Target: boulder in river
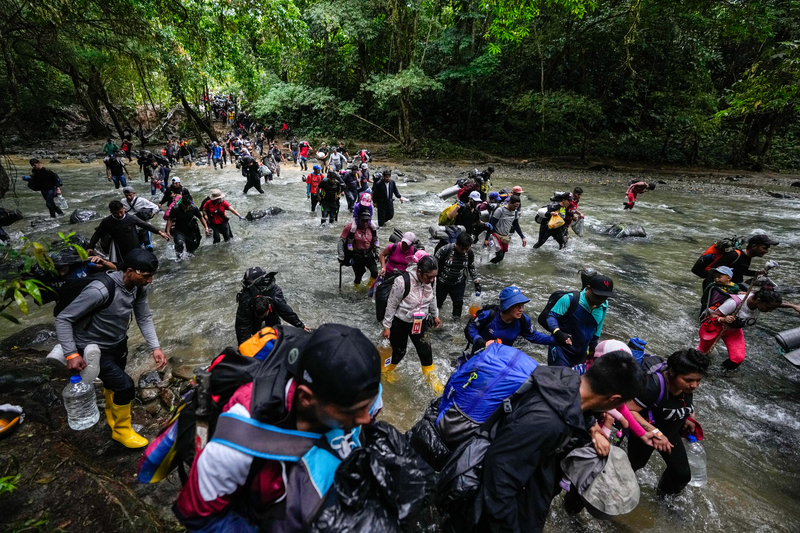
column 621, row 231
column 261, row 213
column 795, row 184
column 82, row 215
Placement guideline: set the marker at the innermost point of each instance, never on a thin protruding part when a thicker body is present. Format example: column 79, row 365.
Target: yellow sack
column 555, row 221
column 444, row 220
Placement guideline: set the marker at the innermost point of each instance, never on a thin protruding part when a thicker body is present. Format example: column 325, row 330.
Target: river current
column 751, row 420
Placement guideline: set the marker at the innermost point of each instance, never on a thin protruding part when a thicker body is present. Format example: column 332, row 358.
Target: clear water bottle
column 62, row 202
column 697, row 461
column 80, row 403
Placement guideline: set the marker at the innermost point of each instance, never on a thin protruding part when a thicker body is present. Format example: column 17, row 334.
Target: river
column 750, row 420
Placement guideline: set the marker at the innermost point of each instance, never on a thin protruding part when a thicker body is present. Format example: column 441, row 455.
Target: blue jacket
column 585, row 326
column 217, row 153
column 508, row 333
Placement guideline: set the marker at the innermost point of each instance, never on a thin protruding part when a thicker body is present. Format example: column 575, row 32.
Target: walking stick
column 769, row 266
column 340, row 275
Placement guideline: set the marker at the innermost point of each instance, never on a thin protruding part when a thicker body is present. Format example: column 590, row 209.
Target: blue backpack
column 478, row 387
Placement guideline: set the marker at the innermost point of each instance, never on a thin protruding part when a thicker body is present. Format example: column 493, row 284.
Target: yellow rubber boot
column 122, row 431
column 388, row 373
column 109, row 394
column 371, row 281
column 430, row 376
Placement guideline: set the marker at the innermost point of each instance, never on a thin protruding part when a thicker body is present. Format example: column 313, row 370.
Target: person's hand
column 601, row 444
column 208, row 232
column 401, row 199
column 524, row 243
column 76, row 364
column 437, row 322
column 382, row 272
column 486, row 242
column 660, row 442
column 489, row 227
column 479, row 344
column 460, row 203
column 728, row 319
column 689, row 425
column 306, row 328
column 58, row 190
column 385, row 333
column 96, row 259
column 159, row 358
column 166, row 237
column 562, row 339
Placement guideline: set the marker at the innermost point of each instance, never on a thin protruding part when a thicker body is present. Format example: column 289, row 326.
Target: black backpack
column 551, row 301
column 383, row 290
column 72, row 288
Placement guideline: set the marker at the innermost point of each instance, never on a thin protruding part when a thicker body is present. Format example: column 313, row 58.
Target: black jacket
column 379, row 195
column 329, row 190
column 521, row 470
column 123, row 232
column 248, row 324
column 45, row 179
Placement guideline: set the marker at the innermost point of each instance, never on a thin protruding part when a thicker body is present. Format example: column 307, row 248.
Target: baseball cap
column 33, row 161
column 611, row 345
column 127, row 189
column 364, row 215
column 761, row 238
column 724, row 270
column 494, row 195
column 408, row 238
column 511, row 296
column 603, row 286
column 366, row 199
column 340, row 365
column 139, row 259
column 252, row 274
column 475, row 195
column 176, row 179
column 516, row 190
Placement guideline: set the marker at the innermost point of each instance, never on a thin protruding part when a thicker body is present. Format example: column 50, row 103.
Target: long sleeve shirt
column 421, row 297
column 453, row 266
column 108, row 327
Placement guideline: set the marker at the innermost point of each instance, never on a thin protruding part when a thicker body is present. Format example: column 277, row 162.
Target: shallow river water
column 751, row 420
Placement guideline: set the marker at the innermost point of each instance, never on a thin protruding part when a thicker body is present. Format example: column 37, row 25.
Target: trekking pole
column 340, row 275
column 769, row 266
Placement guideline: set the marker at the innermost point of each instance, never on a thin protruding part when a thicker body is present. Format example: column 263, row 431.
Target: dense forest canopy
column 680, row 81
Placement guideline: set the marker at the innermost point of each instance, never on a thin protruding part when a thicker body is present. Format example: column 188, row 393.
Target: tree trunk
column 404, row 121
column 96, row 124
column 198, row 124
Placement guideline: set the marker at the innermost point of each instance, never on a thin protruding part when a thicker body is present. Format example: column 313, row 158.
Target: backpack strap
column 262, row 440
column 407, row 281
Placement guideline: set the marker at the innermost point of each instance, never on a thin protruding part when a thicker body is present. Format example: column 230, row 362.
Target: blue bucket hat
column 725, row 270
column 511, row 296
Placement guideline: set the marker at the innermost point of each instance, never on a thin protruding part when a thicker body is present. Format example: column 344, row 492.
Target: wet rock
column 9, row 216
column 261, row 213
column 183, row 371
column 732, row 178
column 150, row 379
column 602, row 167
column 39, row 337
column 168, row 399
column 82, row 215
column 795, row 184
column 776, row 194
column 148, row 395
column 662, row 182
column 154, row 408
column 88, row 158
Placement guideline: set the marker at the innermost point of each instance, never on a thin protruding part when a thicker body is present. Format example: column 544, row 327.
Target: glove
column 489, row 227
column 561, row 338
column 460, row 203
column 479, row 344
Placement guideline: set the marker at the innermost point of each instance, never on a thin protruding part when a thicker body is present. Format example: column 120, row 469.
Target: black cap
column 340, row 365
column 139, row 259
column 364, row 215
column 761, row 238
column 602, row 286
column 33, row 161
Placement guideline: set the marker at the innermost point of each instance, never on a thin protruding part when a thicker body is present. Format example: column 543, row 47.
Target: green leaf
column 10, row 318
column 20, row 299
column 33, row 290
column 81, row 252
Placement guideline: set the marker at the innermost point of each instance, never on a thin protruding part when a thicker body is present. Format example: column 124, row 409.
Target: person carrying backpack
column 365, row 246
column 739, row 261
column 261, row 304
column 100, row 314
column 305, row 419
column 557, row 208
column 48, row 183
column 410, row 308
column 521, row 466
column 505, row 219
column 505, row 323
column 455, row 261
column 577, row 326
column 398, row 255
column 667, row 400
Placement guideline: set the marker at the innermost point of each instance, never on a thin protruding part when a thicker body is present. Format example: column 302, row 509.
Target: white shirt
column 138, row 203
column 747, row 317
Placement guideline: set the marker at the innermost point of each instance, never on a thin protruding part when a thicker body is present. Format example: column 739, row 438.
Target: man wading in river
column 92, row 319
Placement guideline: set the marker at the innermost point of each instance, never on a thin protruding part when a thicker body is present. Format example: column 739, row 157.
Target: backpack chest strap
column 263, row 440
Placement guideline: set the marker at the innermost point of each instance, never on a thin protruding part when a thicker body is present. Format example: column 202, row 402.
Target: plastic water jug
column 81, row 404
column 697, row 461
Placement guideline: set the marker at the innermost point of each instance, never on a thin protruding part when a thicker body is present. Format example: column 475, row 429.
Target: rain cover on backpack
column 478, row 387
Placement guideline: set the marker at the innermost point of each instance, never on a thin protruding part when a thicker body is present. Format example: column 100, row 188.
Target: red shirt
column 216, row 211
column 304, row 150
column 314, row 180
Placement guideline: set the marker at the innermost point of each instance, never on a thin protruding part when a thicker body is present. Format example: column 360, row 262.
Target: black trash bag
column 9, row 216
column 82, row 215
column 425, row 439
column 380, row 487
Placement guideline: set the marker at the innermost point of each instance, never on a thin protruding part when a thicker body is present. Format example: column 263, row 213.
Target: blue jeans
column 229, row 523
column 119, row 180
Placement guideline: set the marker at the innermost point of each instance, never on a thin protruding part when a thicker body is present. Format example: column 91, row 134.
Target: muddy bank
column 73, row 480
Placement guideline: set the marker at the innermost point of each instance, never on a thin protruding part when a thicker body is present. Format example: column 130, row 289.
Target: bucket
column 789, row 340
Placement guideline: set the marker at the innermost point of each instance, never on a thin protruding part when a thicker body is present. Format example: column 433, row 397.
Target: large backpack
column 268, row 360
column 478, row 387
column 552, row 300
column 73, row 287
column 714, row 253
column 383, row 290
column 655, row 365
column 443, row 216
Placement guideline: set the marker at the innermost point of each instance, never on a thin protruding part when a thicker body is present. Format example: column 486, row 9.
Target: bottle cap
column 692, row 438
column 75, row 379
